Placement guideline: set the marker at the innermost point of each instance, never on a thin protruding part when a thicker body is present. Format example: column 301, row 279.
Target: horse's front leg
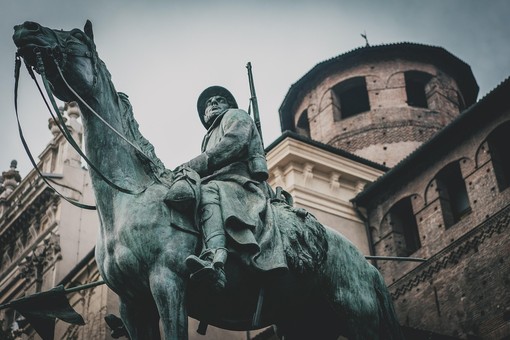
column 141, row 319
column 168, row 290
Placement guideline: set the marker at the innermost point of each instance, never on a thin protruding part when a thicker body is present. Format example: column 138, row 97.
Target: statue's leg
column 168, row 290
column 209, row 266
column 141, row 320
column 214, row 234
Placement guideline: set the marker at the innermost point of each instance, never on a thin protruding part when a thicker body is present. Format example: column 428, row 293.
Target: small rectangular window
column 350, row 97
column 415, row 88
column 453, row 194
column 404, row 222
column 498, row 146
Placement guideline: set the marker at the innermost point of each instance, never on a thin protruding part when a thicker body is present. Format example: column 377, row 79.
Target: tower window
column 403, row 224
column 416, row 82
column 350, row 97
column 453, row 194
column 498, row 142
column 303, row 126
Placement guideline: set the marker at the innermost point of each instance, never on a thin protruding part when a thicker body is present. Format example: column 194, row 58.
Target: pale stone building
column 323, row 179
column 45, row 241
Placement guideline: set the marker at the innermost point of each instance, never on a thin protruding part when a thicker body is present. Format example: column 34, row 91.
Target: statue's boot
column 209, row 266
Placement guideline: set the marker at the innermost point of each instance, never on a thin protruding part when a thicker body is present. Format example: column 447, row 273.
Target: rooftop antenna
column 364, row 35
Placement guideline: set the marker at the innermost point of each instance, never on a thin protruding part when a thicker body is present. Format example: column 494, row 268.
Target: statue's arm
column 238, row 128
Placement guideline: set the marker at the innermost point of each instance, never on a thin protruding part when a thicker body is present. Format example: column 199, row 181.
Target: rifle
column 254, row 103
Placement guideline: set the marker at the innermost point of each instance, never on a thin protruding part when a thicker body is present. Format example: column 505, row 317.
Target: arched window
column 350, row 97
column 303, row 126
column 498, row 141
column 404, row 227
column 416, row 81
column 452, row 194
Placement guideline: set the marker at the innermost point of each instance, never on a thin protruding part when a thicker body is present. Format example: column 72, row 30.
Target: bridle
column 59, row 119
column 57, row 55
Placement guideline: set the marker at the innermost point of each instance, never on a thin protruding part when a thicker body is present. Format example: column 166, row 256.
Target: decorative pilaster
column 334, row 181
column 360, row 186
column 308, row 172
column 279, row 180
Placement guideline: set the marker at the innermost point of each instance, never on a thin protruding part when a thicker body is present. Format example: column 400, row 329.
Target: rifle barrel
column 254, row 102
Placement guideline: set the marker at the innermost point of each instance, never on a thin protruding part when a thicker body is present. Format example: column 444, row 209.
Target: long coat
column 233, row 157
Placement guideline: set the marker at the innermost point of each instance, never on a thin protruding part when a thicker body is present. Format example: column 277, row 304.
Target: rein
column 63, row 128
column 27, row 149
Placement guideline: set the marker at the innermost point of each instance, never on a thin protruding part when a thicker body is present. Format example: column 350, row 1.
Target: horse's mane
column 131, row 128
column 304, row 239
column 154, row 167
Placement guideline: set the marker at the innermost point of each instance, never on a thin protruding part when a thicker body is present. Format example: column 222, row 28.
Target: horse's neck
column 116, row 159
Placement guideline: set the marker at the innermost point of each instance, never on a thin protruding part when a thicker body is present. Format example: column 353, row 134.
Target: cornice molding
column 291, row 149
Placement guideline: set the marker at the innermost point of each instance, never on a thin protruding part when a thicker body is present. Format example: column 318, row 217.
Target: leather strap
column 25, row 145
column 67, row 134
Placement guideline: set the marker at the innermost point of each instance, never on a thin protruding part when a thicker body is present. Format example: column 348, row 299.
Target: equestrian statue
column 209, row 239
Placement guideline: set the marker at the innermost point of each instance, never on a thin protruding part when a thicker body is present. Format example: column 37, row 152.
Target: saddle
column 182, row 198
column 184, row 189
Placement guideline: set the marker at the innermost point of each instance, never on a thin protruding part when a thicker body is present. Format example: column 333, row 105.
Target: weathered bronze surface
column 314, row 280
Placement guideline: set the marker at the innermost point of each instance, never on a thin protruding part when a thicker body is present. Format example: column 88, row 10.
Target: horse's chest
column 133, row 237
column 123, row 255
column 120, row 262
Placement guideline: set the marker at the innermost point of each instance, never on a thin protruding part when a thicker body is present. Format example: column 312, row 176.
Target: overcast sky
column 164, row 53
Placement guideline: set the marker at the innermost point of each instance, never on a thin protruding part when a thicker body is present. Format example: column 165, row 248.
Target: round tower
column 380, row 102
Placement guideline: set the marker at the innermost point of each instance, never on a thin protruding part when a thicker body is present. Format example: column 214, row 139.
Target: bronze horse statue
column 329, row 289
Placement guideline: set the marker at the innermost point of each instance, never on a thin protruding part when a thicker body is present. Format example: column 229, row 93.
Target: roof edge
column 325, row 147
column 498, row 95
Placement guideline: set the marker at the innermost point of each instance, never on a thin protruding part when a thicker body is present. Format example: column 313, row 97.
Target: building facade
column 386, row 144
column 449, row 203
column 45, row 241
column 444, row 198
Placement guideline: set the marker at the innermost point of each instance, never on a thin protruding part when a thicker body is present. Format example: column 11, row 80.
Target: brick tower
column 380, row 102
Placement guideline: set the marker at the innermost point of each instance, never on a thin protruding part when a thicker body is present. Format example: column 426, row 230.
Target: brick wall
column 391, row 123
column 463, row 289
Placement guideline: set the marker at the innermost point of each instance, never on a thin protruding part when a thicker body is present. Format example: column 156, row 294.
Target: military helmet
column 211, row 92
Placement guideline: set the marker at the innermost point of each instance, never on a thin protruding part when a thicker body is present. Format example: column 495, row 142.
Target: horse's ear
column 88, row 30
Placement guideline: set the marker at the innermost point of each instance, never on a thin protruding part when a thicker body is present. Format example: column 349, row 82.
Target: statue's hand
column 180, row 167
column 199, row 164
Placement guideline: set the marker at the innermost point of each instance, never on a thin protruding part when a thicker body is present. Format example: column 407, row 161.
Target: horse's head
column 72, row 51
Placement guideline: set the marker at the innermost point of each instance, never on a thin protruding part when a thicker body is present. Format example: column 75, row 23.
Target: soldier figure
column 233, row 170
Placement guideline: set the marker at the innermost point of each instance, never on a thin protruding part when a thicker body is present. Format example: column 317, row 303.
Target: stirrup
column 208, row 268
column 195, row 263
column 210, row 278
column 213, row 258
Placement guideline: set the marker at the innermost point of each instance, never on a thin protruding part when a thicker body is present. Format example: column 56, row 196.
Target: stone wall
column 462, row 289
